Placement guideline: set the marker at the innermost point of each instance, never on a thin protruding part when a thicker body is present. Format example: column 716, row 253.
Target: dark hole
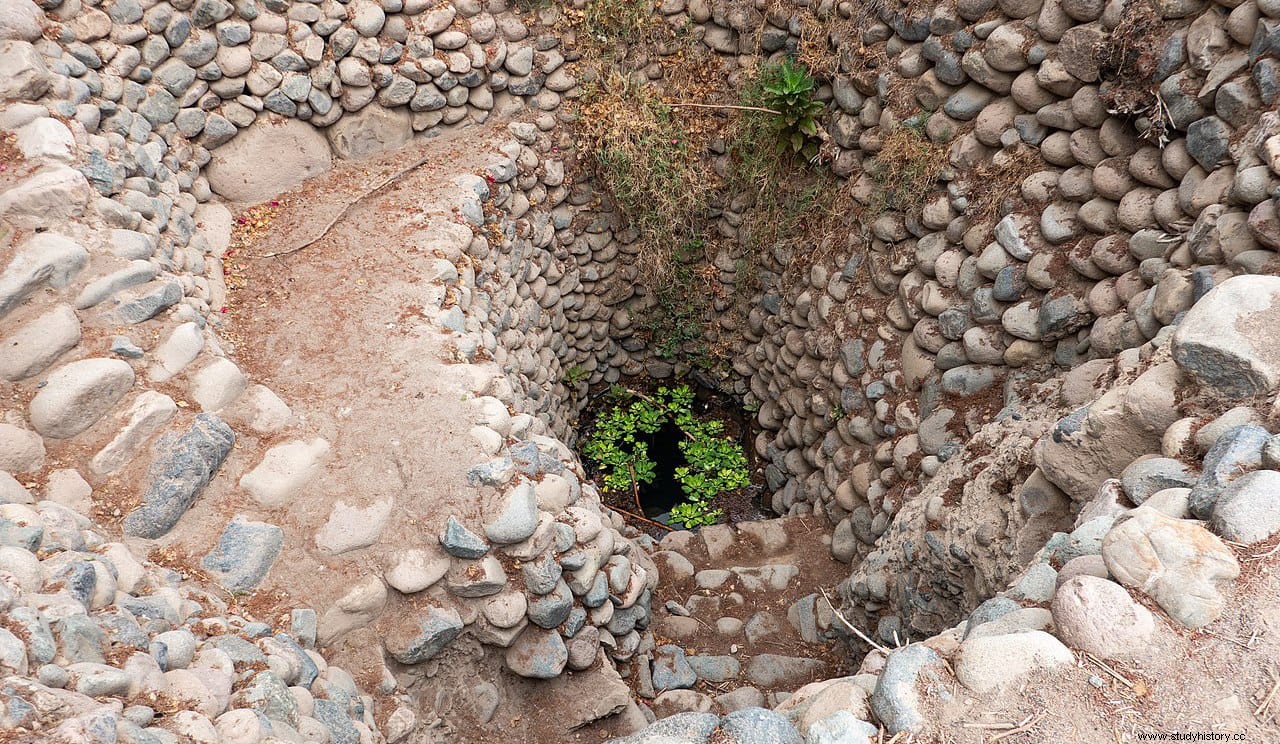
column 664, row 492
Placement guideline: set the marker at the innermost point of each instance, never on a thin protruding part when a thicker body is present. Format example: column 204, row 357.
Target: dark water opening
column 664, row 492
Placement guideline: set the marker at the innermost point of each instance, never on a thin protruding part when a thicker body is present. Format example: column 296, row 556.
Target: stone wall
column 877, row 364
column 875, row 370
column 133, row 129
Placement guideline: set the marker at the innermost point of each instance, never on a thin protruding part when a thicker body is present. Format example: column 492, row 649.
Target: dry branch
column 1026, row 725
column 851, row 626
column 351, row 205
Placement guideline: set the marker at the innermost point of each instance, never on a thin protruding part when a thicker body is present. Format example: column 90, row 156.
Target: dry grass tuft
column 905, row 170
column 802, row 215
column 646, row 159
column 832, row 45
column 1128, row 58
column 996, row 185
column 617, row 20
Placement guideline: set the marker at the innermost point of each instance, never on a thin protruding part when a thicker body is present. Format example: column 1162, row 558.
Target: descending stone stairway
column 739, row 619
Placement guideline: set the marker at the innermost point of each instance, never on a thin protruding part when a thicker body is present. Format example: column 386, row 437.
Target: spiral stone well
column 300, row 304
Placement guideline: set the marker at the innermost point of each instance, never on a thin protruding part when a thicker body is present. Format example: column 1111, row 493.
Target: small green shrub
column 789, row 89
column 714, row 463
column 574, row 375
column 761, row 141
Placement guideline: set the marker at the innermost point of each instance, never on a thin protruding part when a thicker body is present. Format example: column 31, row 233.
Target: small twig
column 1023, row 727
column 1266, row 702
column 646, row 520
column 1109, row 670
column 635, row 487
column 702, row 623
column 851, row 626
column 1263, row 556
column 1241, row 644
column 726, row 106
column 347, row 209
column 991, row 726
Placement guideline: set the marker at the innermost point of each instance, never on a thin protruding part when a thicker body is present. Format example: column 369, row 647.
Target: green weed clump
column 574, row 375
column 789, row 89
column 779, row 120
column 714, row 463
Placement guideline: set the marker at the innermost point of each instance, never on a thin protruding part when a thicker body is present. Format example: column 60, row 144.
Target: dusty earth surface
column 1221, row 680
column 335, row 323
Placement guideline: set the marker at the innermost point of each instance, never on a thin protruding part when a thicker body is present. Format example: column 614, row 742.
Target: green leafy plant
column 574, row 375
column 789, row 89
column 617, row 447
column 714, row 464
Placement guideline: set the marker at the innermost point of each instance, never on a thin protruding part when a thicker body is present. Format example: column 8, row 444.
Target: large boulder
column 47, row 198
column 1226, row 342
column 1098, row 616
column 23, row 74
column 991, row 663
column 537, row 654
column 414, row 640
column 20, row 19
column 244, row 553
column 1249, row 509
column 44, row 258
column 78, row 394
column 897, row 700
column 179, row 475
column 266, row 159
column 1087, row 446
column 372, row 130
column 818, row 701
column 1176, row 562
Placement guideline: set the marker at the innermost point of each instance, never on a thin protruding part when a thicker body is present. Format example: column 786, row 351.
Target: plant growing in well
column 574, row 375
column 789, row 89
column 714, row 464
